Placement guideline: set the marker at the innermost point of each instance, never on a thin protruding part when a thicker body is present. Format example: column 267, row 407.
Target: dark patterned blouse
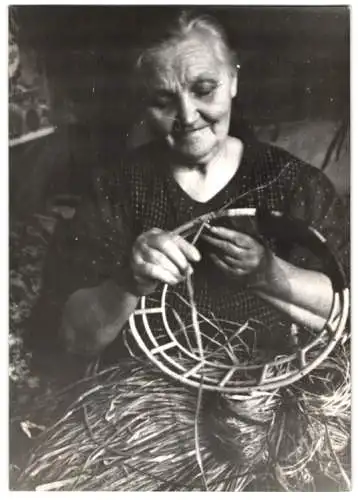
column 140, row 194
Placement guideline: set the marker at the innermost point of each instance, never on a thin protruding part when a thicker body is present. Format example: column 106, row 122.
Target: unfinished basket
column 217, row 368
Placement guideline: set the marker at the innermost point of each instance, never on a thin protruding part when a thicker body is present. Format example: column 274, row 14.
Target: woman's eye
column 205, row 88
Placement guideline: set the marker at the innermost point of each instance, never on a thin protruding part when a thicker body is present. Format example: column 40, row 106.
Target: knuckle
column 238, row 240
column 149, row 237
column 137, row 260
column 232, row 248
column 226, row 246
column 247, row 239
column 142, row 238
column 148, row 270
column 178, row 240
column 136, row 255
column 164, row 242
column 162, row 263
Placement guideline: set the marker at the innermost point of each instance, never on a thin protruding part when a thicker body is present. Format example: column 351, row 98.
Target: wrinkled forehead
column 186, row 61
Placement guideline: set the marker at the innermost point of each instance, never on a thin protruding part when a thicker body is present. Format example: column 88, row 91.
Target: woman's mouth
column 189, row 131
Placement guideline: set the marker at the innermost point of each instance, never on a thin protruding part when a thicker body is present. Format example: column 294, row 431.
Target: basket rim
column 157, row 354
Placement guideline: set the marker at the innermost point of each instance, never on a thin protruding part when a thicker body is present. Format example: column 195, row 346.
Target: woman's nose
column 187, row 111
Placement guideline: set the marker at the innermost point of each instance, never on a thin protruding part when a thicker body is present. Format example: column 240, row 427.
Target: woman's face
column 190, row 93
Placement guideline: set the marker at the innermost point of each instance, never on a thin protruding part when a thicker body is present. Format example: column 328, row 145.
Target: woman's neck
column 203, row 181
column 203, row 165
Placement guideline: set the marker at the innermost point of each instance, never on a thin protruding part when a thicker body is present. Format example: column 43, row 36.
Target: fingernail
column 197, row 255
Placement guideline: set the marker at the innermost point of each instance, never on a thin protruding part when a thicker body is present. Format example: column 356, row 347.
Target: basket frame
column 334, row 326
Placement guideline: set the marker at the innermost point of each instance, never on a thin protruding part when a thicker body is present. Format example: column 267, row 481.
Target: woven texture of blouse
column 139, row 193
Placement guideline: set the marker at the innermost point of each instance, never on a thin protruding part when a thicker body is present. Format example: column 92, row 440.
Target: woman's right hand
column 160, row 256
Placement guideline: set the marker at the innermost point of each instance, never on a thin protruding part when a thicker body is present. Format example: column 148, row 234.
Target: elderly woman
column 121, row 244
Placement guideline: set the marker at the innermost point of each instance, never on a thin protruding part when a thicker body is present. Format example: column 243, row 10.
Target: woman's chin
column 196, row 154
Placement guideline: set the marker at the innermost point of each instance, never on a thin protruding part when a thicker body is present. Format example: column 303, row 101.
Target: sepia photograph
column 179, row 248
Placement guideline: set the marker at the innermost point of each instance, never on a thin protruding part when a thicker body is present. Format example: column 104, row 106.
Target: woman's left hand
column 236, row 254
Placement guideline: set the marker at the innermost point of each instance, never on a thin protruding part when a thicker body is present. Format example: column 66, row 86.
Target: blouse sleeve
column 93, row 246
column 314, row 200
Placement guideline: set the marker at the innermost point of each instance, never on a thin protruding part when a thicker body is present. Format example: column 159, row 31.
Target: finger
column 153, row 256
column 220, row 263
column 232, row 262
column 171, row 251
column 246, row 261
column 244, row 265
column 239, row 239
column 189, row 250
column 226, row 268
column 175, row 250
column 159, row 273
column 225, row 246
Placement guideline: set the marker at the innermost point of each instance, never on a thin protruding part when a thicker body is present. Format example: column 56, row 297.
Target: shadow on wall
column 311, row 141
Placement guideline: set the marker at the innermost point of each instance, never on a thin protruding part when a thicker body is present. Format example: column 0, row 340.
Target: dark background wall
column 294, row 60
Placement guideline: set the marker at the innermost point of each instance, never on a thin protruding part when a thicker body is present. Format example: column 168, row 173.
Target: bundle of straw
column 131, row 428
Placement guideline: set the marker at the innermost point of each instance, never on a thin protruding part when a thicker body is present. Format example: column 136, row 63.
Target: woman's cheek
column 219, row 108
column 161, row 121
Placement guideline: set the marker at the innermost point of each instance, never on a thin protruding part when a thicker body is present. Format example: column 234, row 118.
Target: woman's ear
column 234, row 82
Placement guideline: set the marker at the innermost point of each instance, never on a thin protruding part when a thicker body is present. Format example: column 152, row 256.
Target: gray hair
column 183, row 25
